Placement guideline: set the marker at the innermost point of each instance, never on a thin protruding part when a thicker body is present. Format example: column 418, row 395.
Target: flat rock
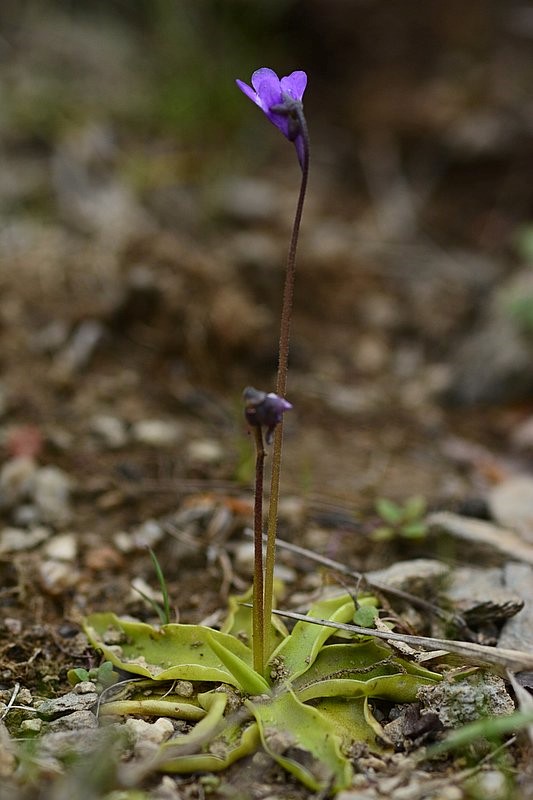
column 478, row 539
column 59, row 744
column 67, row 704
column 517, row 633
column 418, row 576
column 480, row 596
column 78, row 720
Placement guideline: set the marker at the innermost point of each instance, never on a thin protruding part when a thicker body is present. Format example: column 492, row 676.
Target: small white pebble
column 31, row 725
column 205, row 451
column 491, row 785
column 149, row 735
column 147, row 535
column 57, row 576
column 52, row 495
column 84, row 687
column 62, row 548
column 111, row 430
column 123, row 542
column 13, row 540
column 157, row 432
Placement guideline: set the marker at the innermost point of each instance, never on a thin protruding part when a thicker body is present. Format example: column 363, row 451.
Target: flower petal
column 294, row 84
column 269, row 92
column 248, row 91
column 281, row 122
column 264, row 74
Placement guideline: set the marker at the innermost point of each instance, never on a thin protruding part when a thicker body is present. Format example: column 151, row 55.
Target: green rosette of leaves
column 315, row 704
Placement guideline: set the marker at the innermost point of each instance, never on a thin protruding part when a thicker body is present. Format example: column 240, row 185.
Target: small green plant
column 404, row 522
column 162, row 611
column 365, row 616
column 103, row 676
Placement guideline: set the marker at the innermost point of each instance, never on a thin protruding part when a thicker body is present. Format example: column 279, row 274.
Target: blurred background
column 146, row 207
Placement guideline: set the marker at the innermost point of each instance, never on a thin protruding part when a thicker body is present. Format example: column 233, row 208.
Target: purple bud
column 264, row 410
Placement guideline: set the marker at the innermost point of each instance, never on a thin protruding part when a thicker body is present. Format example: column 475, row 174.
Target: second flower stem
column 258, row 611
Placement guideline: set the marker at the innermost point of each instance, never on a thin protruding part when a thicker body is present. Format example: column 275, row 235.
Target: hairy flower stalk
column 258, row 616
column 281, row 101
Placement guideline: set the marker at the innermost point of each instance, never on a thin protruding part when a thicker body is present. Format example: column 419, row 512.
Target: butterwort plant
column 305, row 701
column 280, row 99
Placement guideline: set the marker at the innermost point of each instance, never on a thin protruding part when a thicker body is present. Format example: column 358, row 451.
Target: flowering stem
column 258, row 611
column 281, row 386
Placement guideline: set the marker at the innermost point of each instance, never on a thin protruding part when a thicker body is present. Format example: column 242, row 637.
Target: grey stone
column 480, row 596
column 52, row 495
column 147, row 736
column 418, row 576
column 517, row 633
column 511, row 504
column 59, row 744
column 492, row 365
column 67, row 704
column 78, row 720
column 458, row 701
column 478, row 539
column 84, row 687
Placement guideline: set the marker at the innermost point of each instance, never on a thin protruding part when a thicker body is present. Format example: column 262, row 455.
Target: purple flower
column 281, row 101
column 264, row 410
